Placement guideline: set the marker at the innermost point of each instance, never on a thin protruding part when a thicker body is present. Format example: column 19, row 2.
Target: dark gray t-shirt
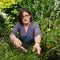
column 32, row 32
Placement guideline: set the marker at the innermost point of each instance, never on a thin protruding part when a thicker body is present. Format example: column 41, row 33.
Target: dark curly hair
column 20, row 15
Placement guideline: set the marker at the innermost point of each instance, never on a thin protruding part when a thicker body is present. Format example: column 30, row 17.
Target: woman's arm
column 13, row 37
column 37, row 39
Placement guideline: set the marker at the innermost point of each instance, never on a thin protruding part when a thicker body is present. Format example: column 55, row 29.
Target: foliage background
column 46, row 13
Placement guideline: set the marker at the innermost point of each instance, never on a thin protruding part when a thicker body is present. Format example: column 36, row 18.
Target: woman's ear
column 30, row 16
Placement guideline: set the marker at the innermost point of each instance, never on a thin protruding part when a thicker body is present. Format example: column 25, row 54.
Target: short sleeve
column 15, row 29
column 36, row 30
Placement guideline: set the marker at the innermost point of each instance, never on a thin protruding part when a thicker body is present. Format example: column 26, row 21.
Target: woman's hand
column 15, row 40
column 17, row 43
column 37, row 48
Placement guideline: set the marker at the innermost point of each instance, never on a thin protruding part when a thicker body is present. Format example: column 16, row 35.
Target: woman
column 29, row 32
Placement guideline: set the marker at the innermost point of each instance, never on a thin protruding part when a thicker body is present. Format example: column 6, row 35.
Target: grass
column 10, row 52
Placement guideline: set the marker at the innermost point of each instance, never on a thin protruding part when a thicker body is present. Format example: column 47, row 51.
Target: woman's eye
column 25, row 15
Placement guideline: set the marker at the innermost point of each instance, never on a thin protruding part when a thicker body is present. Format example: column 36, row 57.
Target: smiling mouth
column 25, row 20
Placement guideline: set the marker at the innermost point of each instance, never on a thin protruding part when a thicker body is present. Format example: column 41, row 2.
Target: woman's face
column 26, row 18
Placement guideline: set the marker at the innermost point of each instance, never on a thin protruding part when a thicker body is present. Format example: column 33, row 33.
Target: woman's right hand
column 15, row 40
column 17, row 43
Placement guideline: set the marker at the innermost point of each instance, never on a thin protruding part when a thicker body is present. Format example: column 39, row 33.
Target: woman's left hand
column 37, row 48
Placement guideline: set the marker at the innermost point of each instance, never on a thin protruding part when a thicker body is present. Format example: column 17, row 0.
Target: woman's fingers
column 17, row 43
column 38, row 50
column 34, row 49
